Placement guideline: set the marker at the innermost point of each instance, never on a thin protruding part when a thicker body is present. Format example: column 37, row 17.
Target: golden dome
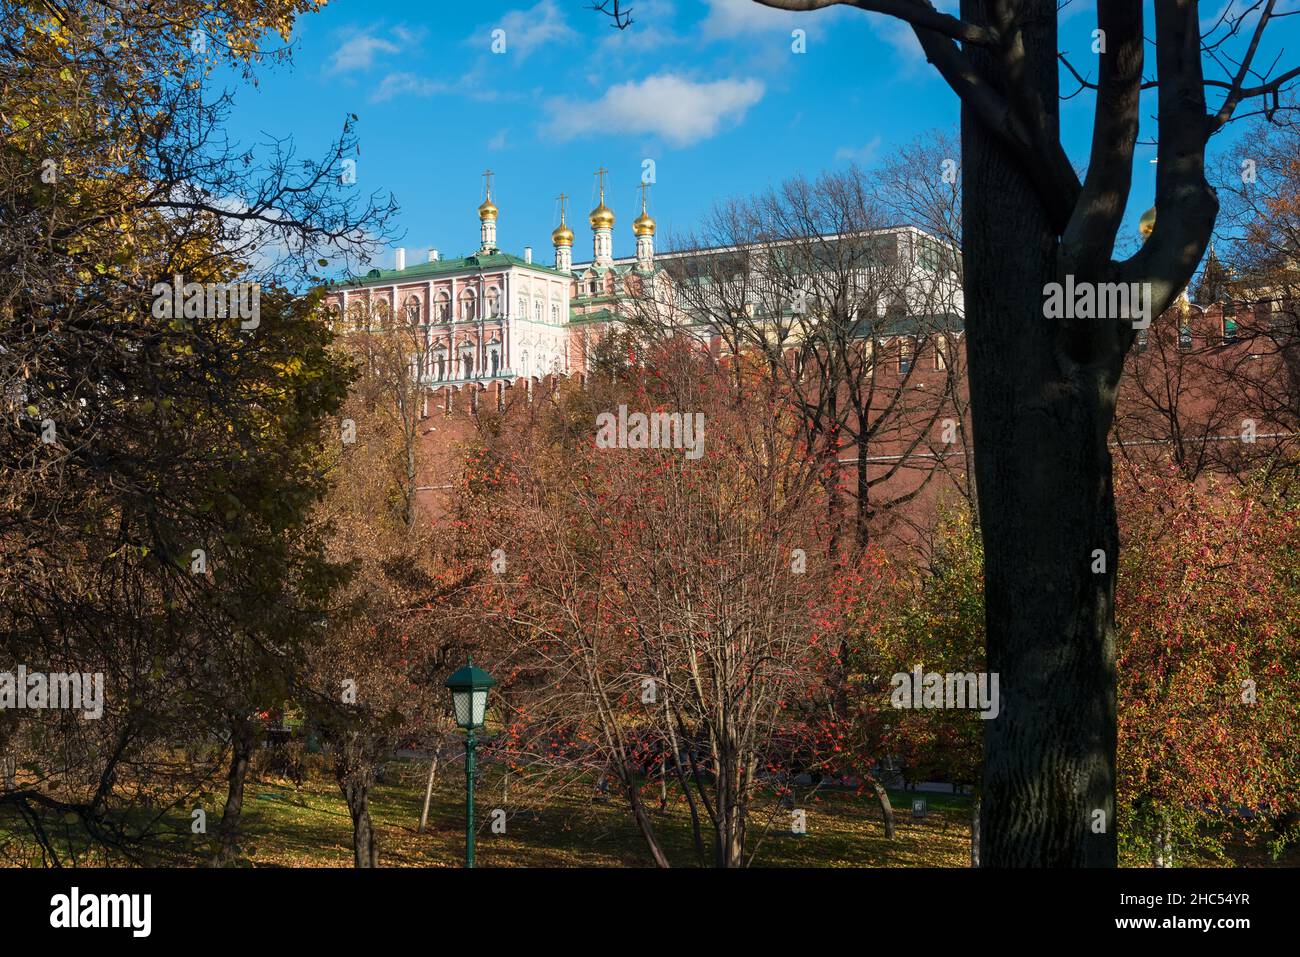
column 602, row 217
column 644, row 225
column 1147, row 222
column 563, row 235
column 488, row 211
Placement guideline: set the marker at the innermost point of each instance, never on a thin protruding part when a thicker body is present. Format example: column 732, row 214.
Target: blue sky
column 711, row 90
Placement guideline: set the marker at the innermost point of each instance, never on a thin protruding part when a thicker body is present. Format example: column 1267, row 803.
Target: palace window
column 905, row 349
column 538, row 306
column 1185, row 339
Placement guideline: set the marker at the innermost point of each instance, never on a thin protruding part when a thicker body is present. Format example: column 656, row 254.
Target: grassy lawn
column 308, row 826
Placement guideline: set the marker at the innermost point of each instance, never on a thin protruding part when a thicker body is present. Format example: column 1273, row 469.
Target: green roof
column 598, row 315
column 908, row 325
column 426, row 270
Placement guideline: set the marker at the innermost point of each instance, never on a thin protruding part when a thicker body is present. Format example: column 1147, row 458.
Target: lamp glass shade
column 460, row 700
column 469, row 693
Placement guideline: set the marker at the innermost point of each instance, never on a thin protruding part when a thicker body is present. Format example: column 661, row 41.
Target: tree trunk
column 242, row 741
column 428, row 791
column 1164, row 843
column 730, row 840
column 863, row 515
column 975, row 832
column 365, row 848
column 354, row 770
column 643, row 820
column 1041, row 414
column 886, row 808
column 409, row 491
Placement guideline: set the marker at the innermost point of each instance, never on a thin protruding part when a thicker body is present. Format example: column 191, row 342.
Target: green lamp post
column 469, row 693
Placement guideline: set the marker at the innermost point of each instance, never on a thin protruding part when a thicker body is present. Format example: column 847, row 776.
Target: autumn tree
column 1043, row 391
column 1207, row 664
column 659, row 607
column 854, row 319
column 163, row 396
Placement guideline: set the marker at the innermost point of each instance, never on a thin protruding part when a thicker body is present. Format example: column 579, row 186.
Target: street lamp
column 469, row 692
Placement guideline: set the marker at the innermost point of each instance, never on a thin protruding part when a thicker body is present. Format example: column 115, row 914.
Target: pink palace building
column 494, row 317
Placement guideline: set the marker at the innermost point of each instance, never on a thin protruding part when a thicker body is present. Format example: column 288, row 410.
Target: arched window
column 523, row 307
column 1229, row 320
column 442, row 310
column 494, row 302
column 467, row 362
column 905, row 348
column 412, row 309
column 538, row 306
column 468, row 307
column 494, row 357
column 555, row 313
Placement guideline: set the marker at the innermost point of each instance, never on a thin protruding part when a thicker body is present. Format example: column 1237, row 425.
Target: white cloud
column 358, row 53
column 681, row 111
column 862, row 155
column 732, row 18
column 404, row 84
column 526, row 30
column 498, row 141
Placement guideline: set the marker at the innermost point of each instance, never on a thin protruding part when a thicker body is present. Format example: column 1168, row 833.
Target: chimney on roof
column 433, row 255
column 399, row 259
column 528, row 254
